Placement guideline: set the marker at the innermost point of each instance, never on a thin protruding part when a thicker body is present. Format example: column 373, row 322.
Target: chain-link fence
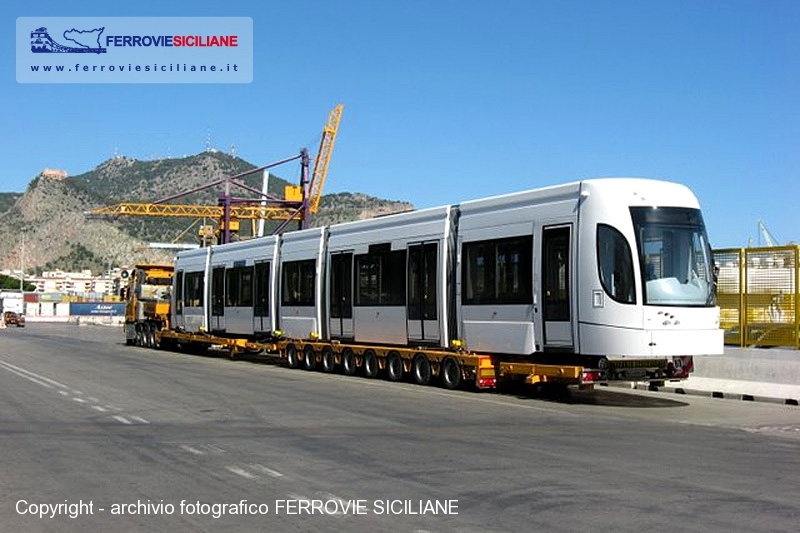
column 758, row 296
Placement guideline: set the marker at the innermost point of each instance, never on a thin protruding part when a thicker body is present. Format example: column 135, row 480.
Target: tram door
column 341, row 295
column 261, row 297
column 422, row 315
column 557, row 287
column 217, row 319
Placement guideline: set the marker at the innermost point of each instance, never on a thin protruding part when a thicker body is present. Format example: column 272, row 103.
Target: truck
column 147, row 302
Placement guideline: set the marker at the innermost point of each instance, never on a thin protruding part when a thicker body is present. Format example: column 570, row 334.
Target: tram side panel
column 242, row 288
column 504, row 307
column 189, row 290
column 300, row 298
column 388, row 279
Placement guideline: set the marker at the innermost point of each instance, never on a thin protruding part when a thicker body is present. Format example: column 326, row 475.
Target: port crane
column 299, row 202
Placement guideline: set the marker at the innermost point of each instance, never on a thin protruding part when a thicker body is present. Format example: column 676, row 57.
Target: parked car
column 11, row 318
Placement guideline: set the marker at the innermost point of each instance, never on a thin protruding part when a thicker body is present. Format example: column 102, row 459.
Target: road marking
column 121, row 419
column 189, row 449
column 33, row 376
column 202, row 449
column 63, row 393
column 140, row 420
column 99, row 408
column 79, row 400
column 240, row 472
column 265, row 470
column 29, row 378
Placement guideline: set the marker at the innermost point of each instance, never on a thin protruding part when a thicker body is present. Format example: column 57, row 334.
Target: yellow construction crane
column 299, row 202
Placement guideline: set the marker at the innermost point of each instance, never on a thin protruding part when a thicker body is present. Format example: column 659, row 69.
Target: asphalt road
column 129, row 439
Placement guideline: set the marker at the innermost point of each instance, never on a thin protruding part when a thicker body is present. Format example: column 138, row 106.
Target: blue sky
column 449, row 101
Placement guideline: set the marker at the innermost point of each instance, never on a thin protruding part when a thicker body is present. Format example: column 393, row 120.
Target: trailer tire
column 371, row 367
column 349, row 362
column 394, row 366
column 327, row 359
column 139, row 336
column 291, row 356
column 421, row 368
column 309, row 357
column 151, row 336
column 451, row 373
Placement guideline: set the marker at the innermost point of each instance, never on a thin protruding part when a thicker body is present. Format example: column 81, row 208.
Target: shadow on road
column 599, row 396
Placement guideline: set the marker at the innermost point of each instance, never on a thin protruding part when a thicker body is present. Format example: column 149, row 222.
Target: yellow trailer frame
column 423, row 364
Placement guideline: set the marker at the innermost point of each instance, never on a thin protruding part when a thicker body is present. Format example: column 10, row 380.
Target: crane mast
column 299, row 202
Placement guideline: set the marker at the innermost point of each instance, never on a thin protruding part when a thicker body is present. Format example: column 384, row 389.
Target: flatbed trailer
column 422, row 365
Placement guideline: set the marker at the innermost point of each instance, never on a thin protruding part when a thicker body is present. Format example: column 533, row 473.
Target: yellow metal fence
column 758, row 295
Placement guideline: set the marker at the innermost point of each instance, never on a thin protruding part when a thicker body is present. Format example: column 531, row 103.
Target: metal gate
column 758, row 296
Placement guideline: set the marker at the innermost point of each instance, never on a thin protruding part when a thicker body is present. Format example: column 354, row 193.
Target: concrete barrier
column 750, row 374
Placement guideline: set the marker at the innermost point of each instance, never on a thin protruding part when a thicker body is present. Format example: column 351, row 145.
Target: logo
column 134, row 49
column 87, row 41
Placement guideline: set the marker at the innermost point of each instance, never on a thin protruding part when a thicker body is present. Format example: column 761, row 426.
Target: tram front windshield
column 675, row 257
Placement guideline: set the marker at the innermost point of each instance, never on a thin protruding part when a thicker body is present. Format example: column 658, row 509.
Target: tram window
column 218, row 291
column 193, row 295
column 261, row 289
column 298, row 283
column 498, row 271
column 239, row 287
column 615, row 264
column 381, row 278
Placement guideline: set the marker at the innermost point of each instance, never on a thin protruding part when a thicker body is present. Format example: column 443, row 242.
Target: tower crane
column 298, row 204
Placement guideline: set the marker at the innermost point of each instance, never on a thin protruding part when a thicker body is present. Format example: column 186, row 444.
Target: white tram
column 586, row 273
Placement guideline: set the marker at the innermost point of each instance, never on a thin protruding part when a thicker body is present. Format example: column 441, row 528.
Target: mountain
column 57, row 234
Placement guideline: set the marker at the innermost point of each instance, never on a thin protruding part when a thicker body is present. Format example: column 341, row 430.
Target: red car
column 11, row 318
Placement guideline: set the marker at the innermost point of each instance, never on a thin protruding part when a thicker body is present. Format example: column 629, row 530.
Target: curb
column 718, row 394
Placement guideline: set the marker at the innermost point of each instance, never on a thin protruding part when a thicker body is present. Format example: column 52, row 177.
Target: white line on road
column 37, row 378
column 140, row 419
column 121, row 419
column 63, row 393
column 29, row 378
column 79, row 400
column 265, row 470
column 240, row 472
column 189, row 449
column 99, row 408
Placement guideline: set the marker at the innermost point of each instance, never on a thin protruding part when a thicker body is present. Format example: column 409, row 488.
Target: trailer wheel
column 394, row 366
column 146, row 336
column 309, row 358
column 291, row 355
column 422, row 369
column 451, row 373
column 349, row 362
column 139, row 335
column 151, row 336
column 327, row 358
column 371, row 364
